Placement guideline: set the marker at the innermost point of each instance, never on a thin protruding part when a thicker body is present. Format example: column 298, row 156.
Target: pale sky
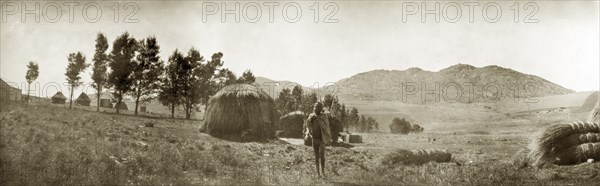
column 562, row 47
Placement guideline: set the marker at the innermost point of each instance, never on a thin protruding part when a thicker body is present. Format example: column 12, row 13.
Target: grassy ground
column 48, row 145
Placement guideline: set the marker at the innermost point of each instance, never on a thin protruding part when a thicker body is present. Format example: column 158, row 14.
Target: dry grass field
column 43, row 144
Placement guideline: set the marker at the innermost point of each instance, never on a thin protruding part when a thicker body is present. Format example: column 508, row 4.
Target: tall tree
column 247, row 77
column 192, row 73
column 99, row 74
column 343, row 115
column 328, row 100
column 33, row 71
column 353, row 117
column 362, row 123
column 283, row 100
column 121, row 63
column 171, row 82
column 297, row 96
column 76, row 66
column 209, row 81
column 145, row 76
column 225, row 77
column 308, row 102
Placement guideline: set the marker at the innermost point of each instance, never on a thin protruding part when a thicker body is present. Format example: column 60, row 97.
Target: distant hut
column 83, row 100
column 241, row 110
column 121, row 106
column 105, row 100
column 291, row 124
column 8, row 92
column 59, row 98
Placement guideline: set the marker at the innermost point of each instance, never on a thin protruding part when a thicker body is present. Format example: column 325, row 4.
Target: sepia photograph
column 299, row 92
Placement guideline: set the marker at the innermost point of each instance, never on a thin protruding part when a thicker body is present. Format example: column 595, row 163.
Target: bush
column 416, row 128
column 400, row 126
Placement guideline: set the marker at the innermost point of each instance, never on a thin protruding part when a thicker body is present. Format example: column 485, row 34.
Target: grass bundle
column 416, row 157
column 559, row 138
column 578, row 154
column 241, row 110
column 574, row 140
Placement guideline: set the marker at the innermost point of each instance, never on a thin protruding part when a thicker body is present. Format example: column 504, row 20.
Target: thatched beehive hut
column 83, row 100
column 59, row 98
column 241, row 110
column 121, row 106
column 291, row 124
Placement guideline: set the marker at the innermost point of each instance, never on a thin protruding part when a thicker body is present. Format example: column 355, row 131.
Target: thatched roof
column 241, row 110
column 292, row 124
column 59, row 95
column 83, row 97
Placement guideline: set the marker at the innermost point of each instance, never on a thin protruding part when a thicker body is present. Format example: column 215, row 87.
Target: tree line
column 134, row 68
column 296, row 100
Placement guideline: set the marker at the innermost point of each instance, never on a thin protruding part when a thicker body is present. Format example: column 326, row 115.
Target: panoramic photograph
column 299, row 92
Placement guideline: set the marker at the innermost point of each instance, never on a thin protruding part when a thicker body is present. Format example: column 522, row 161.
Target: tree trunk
column 98, row 99
column 137, row 101
column 71, row 101
column 119, row 99
column 172, row 110
column 187, row 113
column 187, row 109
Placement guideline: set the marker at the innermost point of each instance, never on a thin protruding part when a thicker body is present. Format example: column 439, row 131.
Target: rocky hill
column 458, row 83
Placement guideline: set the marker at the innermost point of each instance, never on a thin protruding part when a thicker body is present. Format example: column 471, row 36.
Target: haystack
column 291, row 124
column 564, row 144
column 595, row 114
column 241, row 110
column 417, row 157
column 83, row 100
column 59, row 98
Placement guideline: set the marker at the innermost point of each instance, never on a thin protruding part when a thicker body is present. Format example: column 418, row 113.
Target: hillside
column 273, row 87
column 458, row 83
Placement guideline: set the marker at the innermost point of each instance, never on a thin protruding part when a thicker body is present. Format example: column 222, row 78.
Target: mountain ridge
column 489, row 83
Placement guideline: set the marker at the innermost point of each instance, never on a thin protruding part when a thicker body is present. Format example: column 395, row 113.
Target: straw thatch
column 417, row 157
column 560, row 140
column 241, row 110
column 83, row 100
column 578, row 154
column 521, row 158
column 59, row 98
column 595, row 114
column 291, row 124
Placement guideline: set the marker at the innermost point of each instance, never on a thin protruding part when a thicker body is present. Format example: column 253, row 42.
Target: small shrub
column 400, row 126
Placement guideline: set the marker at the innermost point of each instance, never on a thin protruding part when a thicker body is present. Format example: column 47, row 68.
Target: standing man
column 317, row 126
